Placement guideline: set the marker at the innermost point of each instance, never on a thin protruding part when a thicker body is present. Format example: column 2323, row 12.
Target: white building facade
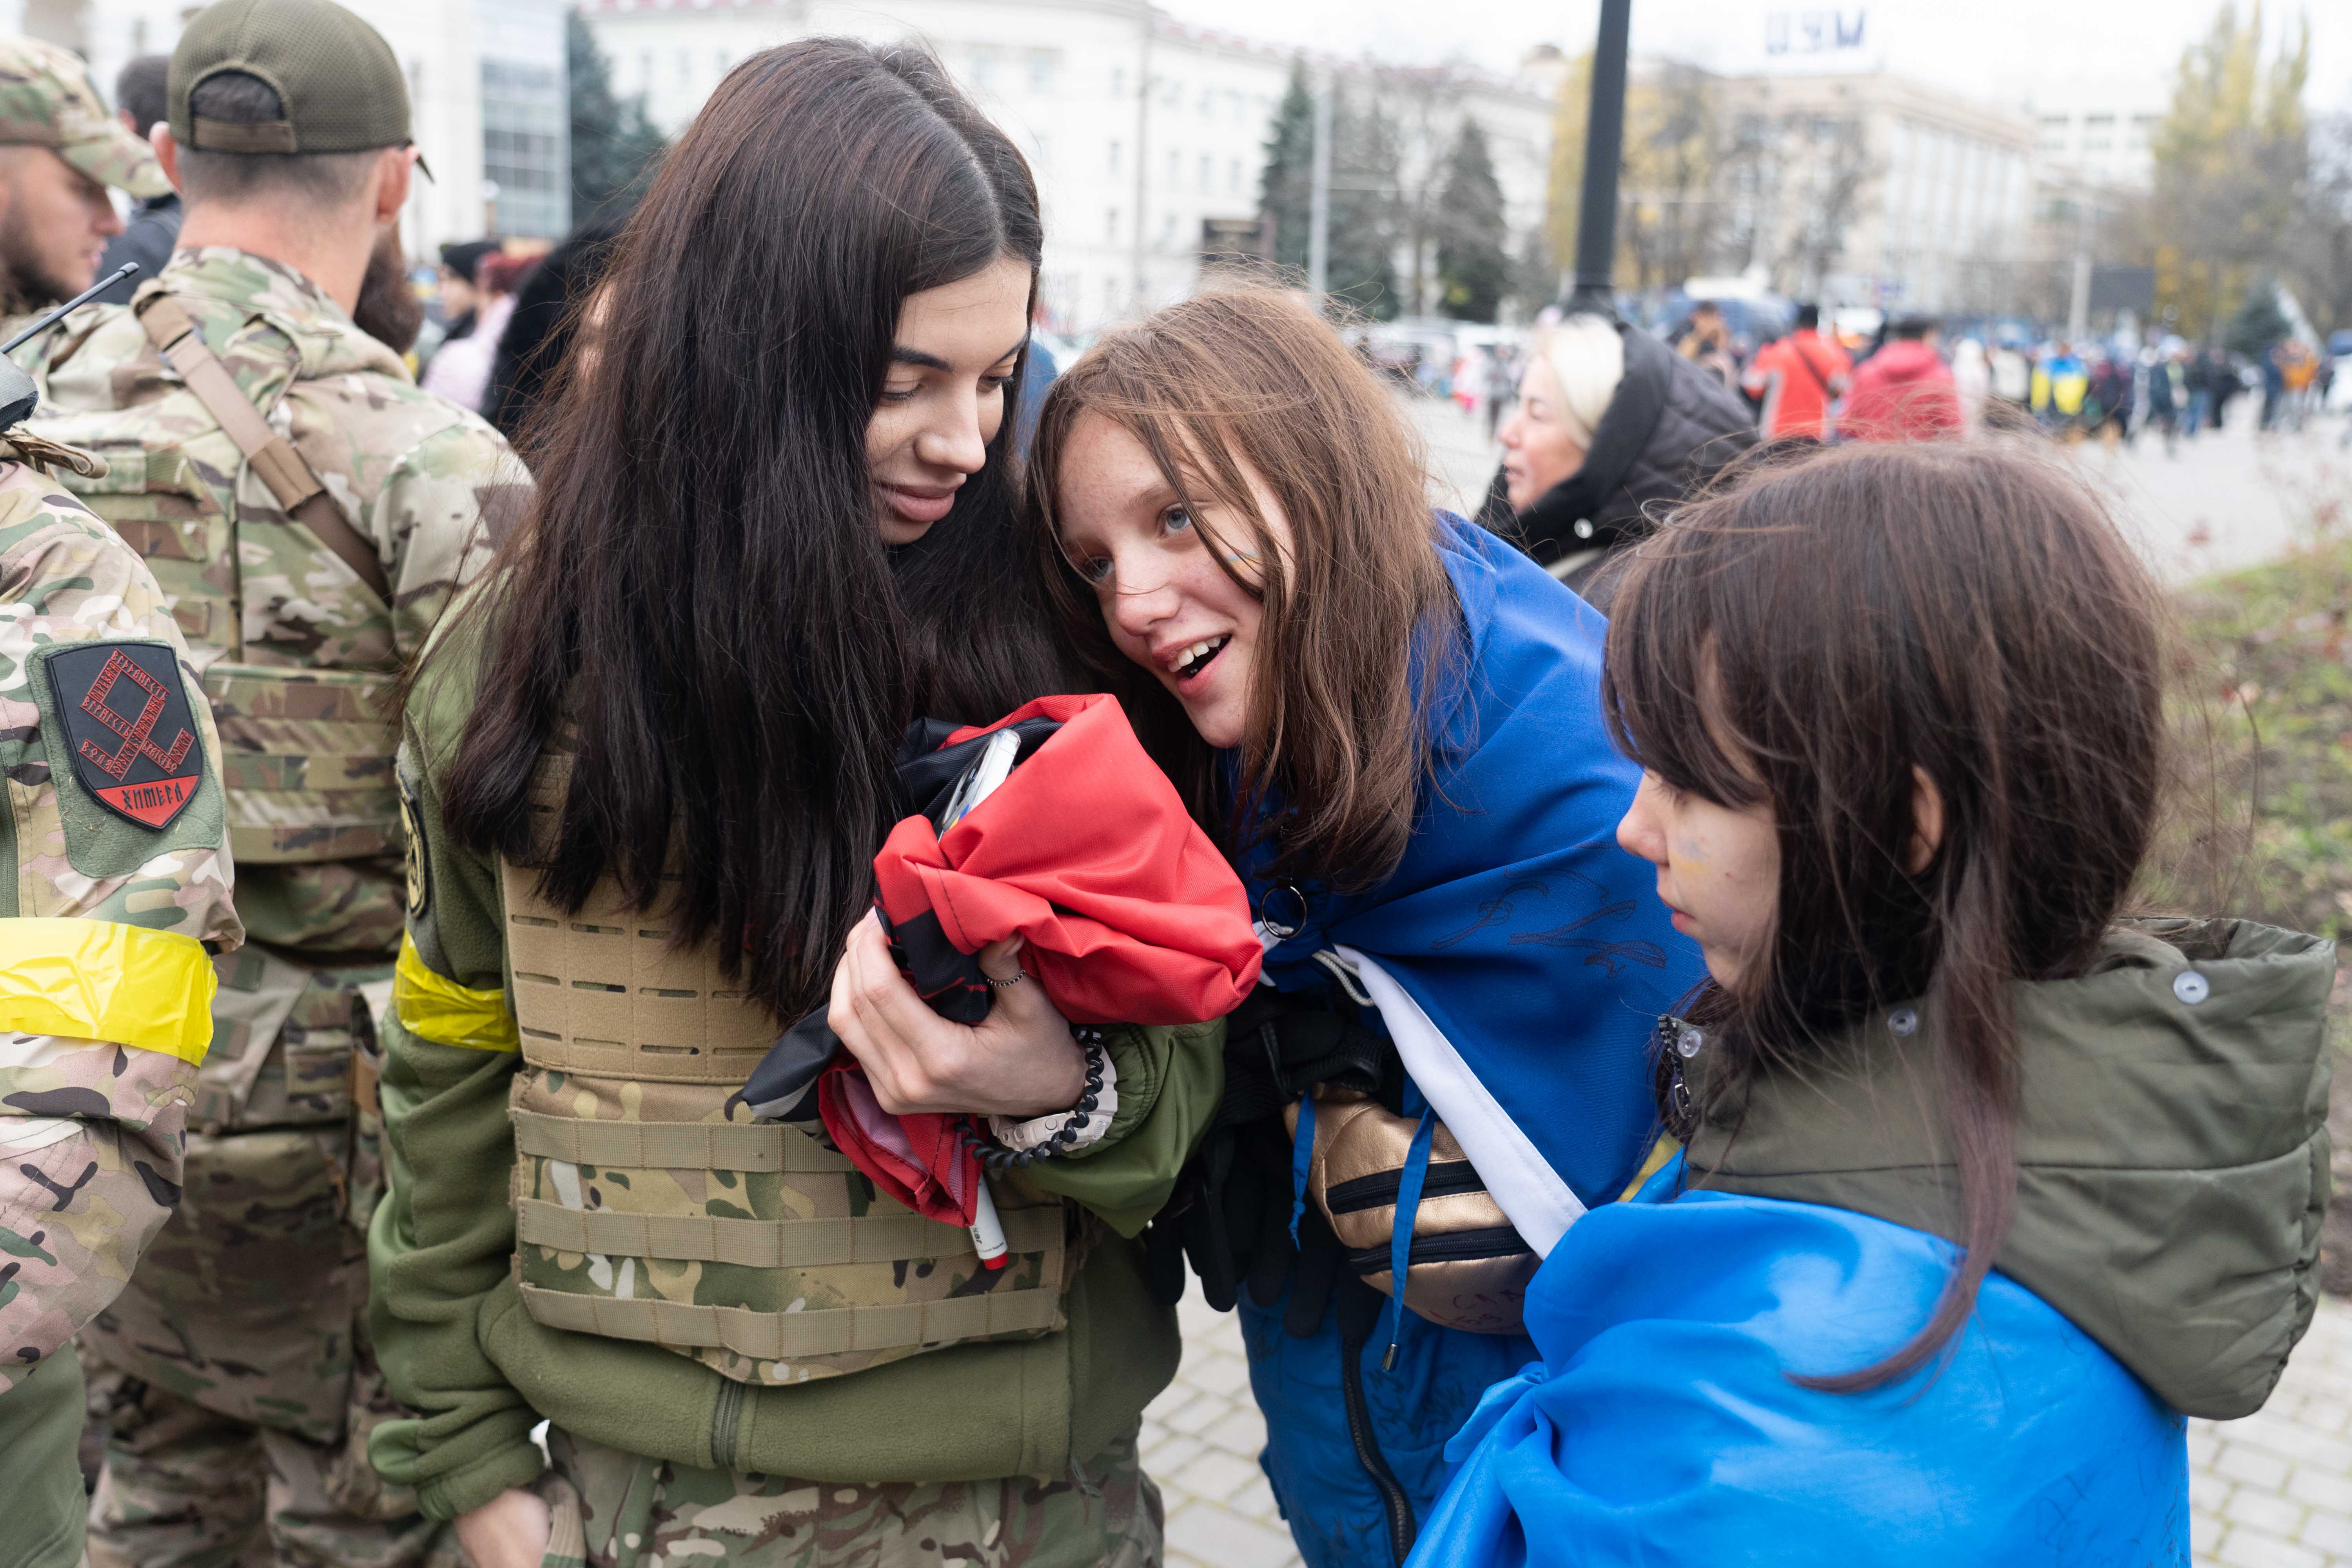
column 2101, row 131
column 1144, row 133
column 1923, row 199
column 485, row 83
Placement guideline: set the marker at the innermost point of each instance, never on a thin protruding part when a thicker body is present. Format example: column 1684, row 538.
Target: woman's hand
column 508, row 1532
column 1019, row 1061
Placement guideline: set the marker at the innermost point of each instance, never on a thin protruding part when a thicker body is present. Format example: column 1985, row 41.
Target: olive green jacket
column 457, row 1347
column 2171, row 1148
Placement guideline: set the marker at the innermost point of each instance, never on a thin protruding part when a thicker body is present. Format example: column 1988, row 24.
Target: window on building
column 525, row 151
column 1110, row 227
column 721, row 60
column 2099, row 132
column 1208, row 101
column 645, row 70
column 685, row 68
column 1110, row 165
column 2143, row 129
column 1233, row 177
column 1041, row 71
column 1119, row 81
column 1238, row 107
column 2054, row 128
column 984, row 69
column 1208, row 172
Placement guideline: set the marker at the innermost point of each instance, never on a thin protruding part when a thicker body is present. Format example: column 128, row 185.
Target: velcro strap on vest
column 790, row 1336
column 273, row 458
column 770, row 1244
column 673, row 1145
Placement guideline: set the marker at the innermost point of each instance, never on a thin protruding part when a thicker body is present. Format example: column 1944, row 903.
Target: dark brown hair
column 1246, row 378
column 700, row 587
column 1807, row 638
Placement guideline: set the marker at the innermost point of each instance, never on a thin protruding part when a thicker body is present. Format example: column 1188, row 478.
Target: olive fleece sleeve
column 1170, row 1078
column 441, row 1242
column 442, row 1238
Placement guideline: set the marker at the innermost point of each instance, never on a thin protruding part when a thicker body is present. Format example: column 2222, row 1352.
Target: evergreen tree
column 1365, row 220
column 1474, row 258
column 2258, row 324
column 1287, row 190
column 613, row 145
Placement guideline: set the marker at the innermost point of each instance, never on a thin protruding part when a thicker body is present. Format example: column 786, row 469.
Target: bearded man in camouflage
column 59, row 151
column 312, row 512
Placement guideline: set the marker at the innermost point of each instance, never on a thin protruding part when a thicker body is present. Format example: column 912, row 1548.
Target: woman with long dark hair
column 648, row 766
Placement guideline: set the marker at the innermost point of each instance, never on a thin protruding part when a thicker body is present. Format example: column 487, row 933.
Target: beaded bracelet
column 997, row 1157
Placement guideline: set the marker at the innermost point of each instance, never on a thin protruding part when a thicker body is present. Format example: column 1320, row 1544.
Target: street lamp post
column 1604, row 151
column 1318, row 211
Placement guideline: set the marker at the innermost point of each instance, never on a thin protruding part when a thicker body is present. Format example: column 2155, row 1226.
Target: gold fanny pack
column 1465, row 1266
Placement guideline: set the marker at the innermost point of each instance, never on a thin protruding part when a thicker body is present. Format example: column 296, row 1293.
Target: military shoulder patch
column 420, row 849
column 128, row 727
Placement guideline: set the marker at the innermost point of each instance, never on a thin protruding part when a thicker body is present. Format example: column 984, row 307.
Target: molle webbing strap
column 601, row 992
column 771, row 1244
column 674, row 1145
column 793, row 1336
column 272, row 457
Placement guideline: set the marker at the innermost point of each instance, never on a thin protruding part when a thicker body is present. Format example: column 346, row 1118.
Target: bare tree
column 1670, row 212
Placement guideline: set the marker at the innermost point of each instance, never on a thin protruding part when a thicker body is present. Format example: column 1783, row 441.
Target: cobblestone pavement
column 2273, row 1490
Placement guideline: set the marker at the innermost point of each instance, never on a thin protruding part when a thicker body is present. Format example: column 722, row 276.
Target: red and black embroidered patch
column 128, row 727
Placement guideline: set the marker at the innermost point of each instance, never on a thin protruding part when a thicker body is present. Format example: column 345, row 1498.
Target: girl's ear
column 1927, row 822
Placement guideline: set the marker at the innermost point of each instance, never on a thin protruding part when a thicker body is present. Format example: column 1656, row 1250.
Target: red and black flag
column 128, row 727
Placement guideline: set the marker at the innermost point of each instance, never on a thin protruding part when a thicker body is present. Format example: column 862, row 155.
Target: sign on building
column 1813, row 32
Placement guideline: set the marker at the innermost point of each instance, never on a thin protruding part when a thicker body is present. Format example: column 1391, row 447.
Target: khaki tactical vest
column 209, row 494
column 306, row 751
column 649, row 1205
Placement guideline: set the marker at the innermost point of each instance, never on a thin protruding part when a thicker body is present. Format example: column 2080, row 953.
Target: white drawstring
column 1345, row 974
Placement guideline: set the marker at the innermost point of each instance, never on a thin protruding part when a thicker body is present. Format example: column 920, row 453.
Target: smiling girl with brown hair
column 1392, row 720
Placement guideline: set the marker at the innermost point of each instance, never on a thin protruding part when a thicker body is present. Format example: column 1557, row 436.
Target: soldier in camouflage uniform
column 59, row 151
column 116, row 897
column 310, row 511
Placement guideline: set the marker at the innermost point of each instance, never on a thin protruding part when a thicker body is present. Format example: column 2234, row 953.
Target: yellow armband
column 435, row 1008
column 99, row 980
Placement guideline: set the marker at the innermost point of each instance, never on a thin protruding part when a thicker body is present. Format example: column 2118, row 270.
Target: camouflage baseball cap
column 46, row 101
column 338, row 83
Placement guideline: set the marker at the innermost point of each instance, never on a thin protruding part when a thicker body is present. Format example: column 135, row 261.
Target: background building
column 1147, row 136
column 2100, row 131
column 486, row 79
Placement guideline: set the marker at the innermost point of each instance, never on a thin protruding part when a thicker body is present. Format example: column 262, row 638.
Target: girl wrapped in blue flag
column 1984, row 1187
column 1390, row 720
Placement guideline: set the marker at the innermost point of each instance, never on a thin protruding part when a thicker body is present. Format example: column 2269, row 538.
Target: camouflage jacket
column 105, row 929
column 298, row 655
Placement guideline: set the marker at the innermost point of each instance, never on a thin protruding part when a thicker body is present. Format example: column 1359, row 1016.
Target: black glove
column 1230, row 1211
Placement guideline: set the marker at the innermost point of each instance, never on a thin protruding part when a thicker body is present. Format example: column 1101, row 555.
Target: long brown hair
column 700, row 588
column 1246, row 378
column 1810, row 636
